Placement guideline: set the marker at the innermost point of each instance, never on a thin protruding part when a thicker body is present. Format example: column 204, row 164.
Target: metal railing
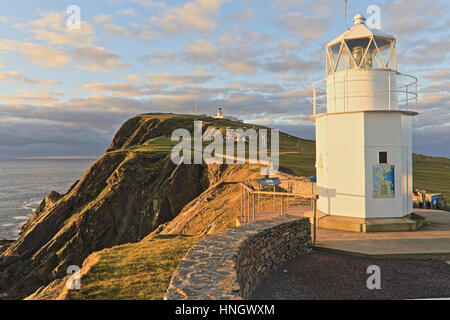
column 250, row 206
column 405, row 92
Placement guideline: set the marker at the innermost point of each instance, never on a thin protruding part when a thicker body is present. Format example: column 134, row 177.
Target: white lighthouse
column 363, row 134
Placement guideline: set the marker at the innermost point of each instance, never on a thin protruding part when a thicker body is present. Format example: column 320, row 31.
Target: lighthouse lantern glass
column 361, row 53
column 385, row 48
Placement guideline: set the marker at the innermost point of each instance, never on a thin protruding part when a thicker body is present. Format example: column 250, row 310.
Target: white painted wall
column 347, row 148
column 362, row 89
column 340, row 181
column 395, row 138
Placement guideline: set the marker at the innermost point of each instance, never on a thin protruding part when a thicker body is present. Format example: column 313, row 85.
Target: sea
column 25, row 183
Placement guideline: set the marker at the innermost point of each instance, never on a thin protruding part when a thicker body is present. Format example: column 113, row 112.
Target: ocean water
column 25, row 183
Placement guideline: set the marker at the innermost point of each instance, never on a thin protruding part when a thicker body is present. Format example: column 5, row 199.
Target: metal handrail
column 248, row 193
column 410, row 91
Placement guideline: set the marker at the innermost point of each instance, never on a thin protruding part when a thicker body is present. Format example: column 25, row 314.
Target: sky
column 65, row 91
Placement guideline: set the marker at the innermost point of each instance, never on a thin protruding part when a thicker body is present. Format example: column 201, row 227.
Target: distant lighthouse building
column 219, row 114
column 363, row 134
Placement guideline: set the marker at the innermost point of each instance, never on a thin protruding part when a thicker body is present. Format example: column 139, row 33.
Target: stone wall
column 230, row 264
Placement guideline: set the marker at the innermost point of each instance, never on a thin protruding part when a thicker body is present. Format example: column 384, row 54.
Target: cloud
column 150, row 4
column 38, row 54
column 439, row 75
column 309, row 28
column 85, row 34
column 133, row 78
column 136, row 31
column 94, row 58
column 126, row 89
column 426, row 52
column 8, row 45
column 194, row 16
column 52, row 28
column 116, row 31
column 241, row 15
column 43, row 56
column 409, row 17
column 34, row 97
column 240, row 67
column 126, row 12
column 102, row 18
column 263, row 87
column 50, row 20
column 176, row 80
column 290, row 62
column 202, row 51
column 8, row 76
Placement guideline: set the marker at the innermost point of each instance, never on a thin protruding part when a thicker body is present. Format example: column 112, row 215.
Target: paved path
column 324, row 275
column 431, row 241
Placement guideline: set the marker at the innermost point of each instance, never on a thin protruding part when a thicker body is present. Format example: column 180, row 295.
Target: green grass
column 139, row 271
column 432, row 174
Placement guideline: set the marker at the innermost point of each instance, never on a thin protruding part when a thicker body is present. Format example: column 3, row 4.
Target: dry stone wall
column 230, row 264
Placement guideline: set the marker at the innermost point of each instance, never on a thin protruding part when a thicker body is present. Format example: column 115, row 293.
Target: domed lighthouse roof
column 360, row 30
column 361, row 47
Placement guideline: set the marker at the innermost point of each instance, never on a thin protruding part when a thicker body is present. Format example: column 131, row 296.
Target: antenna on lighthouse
column 345, row 14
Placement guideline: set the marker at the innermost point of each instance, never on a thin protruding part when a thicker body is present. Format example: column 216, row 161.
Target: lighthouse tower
column 363, row 134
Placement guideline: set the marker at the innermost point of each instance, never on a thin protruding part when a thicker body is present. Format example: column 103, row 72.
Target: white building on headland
column 363, row 134
column 220, row 115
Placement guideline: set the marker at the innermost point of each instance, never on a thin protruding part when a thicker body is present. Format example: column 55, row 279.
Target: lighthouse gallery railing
column 406, row 92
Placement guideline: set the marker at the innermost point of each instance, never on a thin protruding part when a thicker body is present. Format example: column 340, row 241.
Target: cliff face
column 121, row 198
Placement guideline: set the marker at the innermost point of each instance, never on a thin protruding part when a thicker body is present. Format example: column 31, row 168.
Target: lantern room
column 361, row 48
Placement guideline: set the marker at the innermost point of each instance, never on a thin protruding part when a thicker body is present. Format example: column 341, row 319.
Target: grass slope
column 139, row 271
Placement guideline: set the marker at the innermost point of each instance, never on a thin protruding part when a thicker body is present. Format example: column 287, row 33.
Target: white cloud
column 8, row 45
column 308, row 27
column 150, row 4
column 34, row 97
column 67, row 36
column 136, row 30
column 43, row 55
column 133, row 78
column 122, row 89
column 176, row 80
column 196, row 15
column 7, row 76
column 126, row 12
column 202, row 51
column 116, row 31
column 240, row 67
column 50, row 20
column 97, row 58
column 102, row 18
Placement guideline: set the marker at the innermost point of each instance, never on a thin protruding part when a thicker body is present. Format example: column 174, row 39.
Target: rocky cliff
column 121, row 198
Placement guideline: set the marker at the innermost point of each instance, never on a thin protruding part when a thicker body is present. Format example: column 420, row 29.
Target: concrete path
column 326, row 275
column 430, row 242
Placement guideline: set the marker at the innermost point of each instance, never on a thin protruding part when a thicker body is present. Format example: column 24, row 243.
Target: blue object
column 313, row 179
column 269, row 182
